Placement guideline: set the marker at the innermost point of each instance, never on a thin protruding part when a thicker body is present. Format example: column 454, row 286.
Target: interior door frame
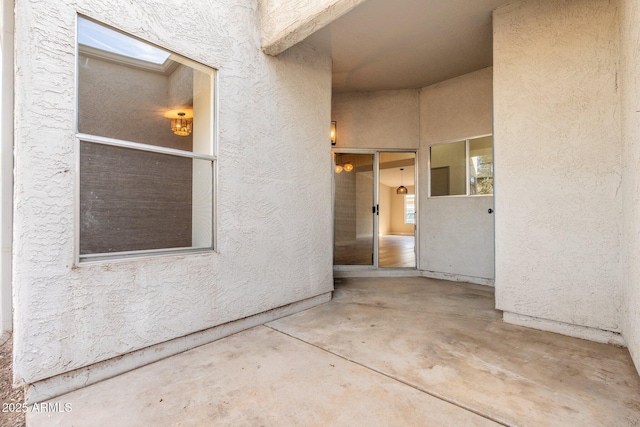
column 376, row 202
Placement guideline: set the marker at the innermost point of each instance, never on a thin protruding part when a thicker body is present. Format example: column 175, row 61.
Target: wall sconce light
column 181, row 121
column 334, row 132
column 348, row 167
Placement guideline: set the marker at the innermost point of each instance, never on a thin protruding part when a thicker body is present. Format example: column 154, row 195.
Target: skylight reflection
column 103, row 38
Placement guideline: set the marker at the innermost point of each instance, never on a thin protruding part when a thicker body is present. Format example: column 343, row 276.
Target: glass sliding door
column 397, row 210
column 354, row 209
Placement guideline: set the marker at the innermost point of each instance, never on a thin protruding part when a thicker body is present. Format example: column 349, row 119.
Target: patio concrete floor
column 384, row 352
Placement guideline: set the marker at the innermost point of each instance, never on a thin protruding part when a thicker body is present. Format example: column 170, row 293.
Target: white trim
column 577, row 331
column 64, row 383
column 83, row 137
column 147, row 253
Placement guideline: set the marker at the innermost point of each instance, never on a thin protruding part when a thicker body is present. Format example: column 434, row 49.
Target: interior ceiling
column 393, row 177
column 403, row 44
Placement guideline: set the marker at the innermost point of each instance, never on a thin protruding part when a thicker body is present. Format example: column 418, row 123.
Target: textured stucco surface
column 287, row 22
column 270, row 218
column 456, row 233
column 558, row 161
column 630, row 90
column 386, row 119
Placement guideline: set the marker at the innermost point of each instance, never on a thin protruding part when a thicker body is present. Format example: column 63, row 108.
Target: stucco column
column 6, row 165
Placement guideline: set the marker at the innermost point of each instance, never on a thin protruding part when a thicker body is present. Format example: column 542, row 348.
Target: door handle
column 491, row 211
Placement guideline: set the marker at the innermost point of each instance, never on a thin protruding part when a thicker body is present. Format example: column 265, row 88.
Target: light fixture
column 347, row 167
column 181, row 121
column 402, row 189
column 334, row 132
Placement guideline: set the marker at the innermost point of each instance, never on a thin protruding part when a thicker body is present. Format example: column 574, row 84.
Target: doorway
column 375, row 209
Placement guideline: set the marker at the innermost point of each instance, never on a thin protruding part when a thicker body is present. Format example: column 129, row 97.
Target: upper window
column 146, row 154
column 462, row 168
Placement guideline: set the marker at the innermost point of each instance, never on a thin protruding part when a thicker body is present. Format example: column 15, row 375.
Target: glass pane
column 133, row 91
column 353, row 227
column 481, row 165
column 396, row 241
column 133, row 200
column 448, row 169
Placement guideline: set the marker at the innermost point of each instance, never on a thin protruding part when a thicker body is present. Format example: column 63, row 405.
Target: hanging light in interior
column 402, row 189
column 347, row 167
column 181, row 121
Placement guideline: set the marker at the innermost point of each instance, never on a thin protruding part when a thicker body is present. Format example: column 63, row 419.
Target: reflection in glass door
column 354, row 209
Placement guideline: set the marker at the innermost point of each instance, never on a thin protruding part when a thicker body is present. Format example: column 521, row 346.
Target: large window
column 146, row 153
column 462, row 168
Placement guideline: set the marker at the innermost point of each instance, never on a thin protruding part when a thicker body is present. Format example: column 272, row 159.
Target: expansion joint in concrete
column 400, row 380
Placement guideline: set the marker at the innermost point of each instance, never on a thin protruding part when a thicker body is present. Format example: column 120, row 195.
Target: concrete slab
column 445, row 338
column 259, row 377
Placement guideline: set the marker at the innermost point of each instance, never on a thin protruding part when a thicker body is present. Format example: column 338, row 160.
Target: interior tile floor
column 383, row 352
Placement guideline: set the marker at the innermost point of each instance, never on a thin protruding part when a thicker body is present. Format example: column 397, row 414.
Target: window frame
column 468, row 183
column 96, row 139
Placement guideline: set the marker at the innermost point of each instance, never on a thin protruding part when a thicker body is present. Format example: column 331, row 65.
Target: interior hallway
column 388, row 351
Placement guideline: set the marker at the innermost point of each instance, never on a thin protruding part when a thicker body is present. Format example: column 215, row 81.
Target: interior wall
column 456, row 233
column 269, row 218
column 630, row 90
column 109, row 90
column 454, row 157
column 558, row 161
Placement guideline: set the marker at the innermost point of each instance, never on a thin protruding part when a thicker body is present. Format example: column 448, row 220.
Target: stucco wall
column 386, row 119
column 269, row 217
column 456, row 234
column 558, row 161
column 286, row 22
column 630, row 90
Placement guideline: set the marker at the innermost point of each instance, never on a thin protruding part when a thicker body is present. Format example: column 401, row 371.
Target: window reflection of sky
column 103, row 38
